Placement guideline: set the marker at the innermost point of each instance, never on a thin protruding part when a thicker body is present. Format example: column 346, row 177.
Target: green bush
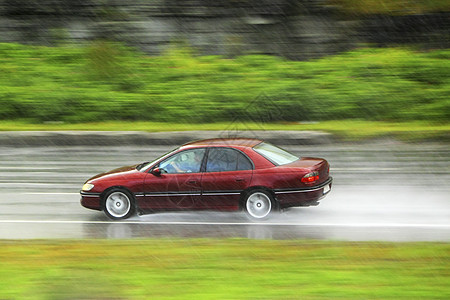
column 108, row 81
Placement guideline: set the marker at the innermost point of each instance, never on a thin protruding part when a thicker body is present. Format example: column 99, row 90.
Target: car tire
column 259, row 204
column 118, row 204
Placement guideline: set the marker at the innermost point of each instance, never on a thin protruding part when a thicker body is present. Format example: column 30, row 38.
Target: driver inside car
column 187, row 162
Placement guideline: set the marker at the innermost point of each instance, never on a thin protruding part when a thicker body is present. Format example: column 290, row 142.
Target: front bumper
column 90, row 200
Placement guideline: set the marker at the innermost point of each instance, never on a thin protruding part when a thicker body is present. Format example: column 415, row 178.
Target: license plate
column 326, row 189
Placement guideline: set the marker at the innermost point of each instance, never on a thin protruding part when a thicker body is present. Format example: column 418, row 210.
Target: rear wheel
column 259, row 204
column 119, row 204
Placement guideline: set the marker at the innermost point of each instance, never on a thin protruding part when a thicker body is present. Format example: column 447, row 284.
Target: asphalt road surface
column 384, row 191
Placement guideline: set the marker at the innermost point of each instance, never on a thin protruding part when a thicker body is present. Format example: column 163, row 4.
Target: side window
column 225, row 159
column 188, row 161
column 243, row 162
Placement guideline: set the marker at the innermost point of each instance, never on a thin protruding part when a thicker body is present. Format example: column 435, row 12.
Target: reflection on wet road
column 392, row 192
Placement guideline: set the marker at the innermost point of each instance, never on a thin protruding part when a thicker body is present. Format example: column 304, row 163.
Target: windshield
column 276, row 155
column 144, row 166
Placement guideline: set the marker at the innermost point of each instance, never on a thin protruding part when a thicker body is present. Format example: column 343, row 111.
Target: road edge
column 139, row 138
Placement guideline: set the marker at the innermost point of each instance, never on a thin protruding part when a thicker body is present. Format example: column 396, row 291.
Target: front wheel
column 118, row 204
column 259, row 204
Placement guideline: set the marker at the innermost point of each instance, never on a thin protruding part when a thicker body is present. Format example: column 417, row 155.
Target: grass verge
column 350, row 130
column 389, row 7
column 222, row 269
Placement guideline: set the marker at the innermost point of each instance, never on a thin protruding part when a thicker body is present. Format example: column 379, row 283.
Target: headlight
column 87, row 187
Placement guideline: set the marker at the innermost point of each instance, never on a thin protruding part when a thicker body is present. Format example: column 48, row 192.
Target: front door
column 179, row 184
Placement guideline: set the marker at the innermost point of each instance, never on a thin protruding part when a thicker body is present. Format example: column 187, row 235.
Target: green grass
column 223, row 269
column 109, row 82
column 391, row 7
column 345, row 130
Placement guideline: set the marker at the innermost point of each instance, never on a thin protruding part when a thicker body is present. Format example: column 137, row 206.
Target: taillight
column 311, row 177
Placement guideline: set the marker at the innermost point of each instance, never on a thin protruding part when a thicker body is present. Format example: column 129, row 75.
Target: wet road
column 381, row 191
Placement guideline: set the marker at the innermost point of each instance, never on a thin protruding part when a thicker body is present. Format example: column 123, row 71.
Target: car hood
column 116, row 172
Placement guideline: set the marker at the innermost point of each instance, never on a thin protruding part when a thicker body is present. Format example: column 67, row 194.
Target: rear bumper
column 303, row 196
column 90, row 200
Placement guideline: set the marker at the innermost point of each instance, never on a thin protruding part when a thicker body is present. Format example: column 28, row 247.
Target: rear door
column 227, row 173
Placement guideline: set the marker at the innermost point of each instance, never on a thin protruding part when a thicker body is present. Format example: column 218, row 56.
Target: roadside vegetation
column 389, row 7
column 222, row 269
column 344, row 130
column 109, row 82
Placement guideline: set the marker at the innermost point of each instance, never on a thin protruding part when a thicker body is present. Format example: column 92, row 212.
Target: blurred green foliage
column 391, row 7
column 108, row 81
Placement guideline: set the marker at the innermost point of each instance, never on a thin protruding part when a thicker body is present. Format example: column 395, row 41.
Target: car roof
column 240, row 142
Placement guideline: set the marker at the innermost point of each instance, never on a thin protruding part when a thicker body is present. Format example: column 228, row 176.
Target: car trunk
column 313, row 164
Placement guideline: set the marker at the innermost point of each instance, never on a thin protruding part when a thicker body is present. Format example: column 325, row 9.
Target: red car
column 219, row 174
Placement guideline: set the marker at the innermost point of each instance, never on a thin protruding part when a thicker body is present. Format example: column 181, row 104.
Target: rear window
column 276, row 155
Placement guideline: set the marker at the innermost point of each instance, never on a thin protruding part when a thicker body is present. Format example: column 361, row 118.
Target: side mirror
column 156, row 172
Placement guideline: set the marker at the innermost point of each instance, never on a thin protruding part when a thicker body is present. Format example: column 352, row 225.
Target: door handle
column 240, row 179
column 192, row 181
